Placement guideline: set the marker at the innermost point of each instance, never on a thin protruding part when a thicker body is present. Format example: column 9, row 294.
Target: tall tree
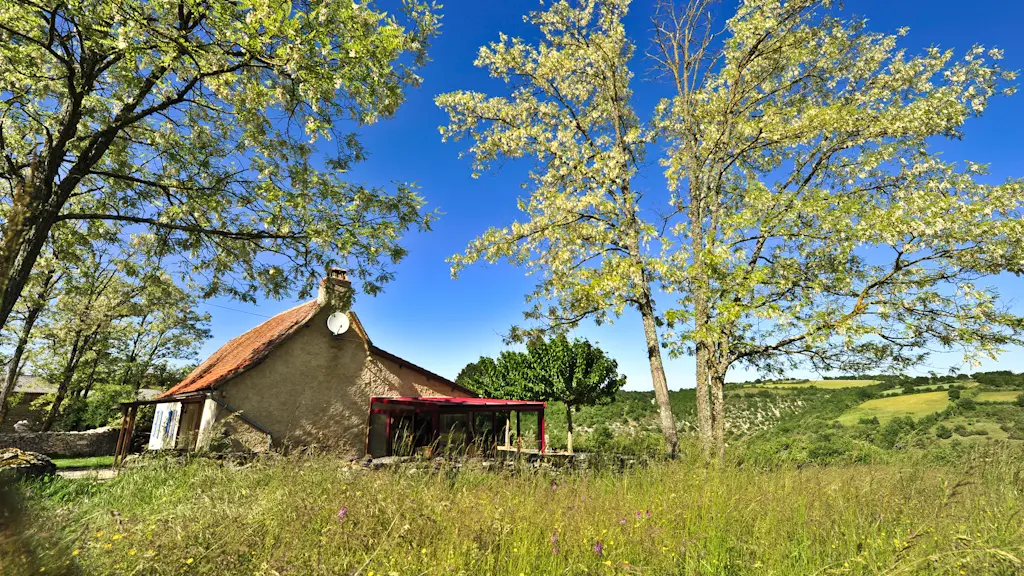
column 198, row 120
column 569, row 112
column 820, row 227
column 576, row 373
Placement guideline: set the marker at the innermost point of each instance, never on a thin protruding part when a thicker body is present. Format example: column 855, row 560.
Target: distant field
column 825, row 384
column 1000, row 396
column 916, row 405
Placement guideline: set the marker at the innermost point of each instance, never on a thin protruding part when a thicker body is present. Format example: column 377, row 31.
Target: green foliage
column 943, row 431
column 1020, row 400
column 195, row 125
column 954, row 394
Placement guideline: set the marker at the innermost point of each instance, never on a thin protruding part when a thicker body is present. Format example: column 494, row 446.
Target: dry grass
column 284, row 517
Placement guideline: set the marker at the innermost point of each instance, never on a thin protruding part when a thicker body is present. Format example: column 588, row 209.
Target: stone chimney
column 335, row 288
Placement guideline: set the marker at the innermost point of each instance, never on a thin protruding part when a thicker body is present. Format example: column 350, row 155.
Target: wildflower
column 189, row 561
column 75, row 552
column 623, row 521
column 342, row 513
column 554, row 485
column 598, row 548
column 554, row 543
column 639, row 515
column 648, row 513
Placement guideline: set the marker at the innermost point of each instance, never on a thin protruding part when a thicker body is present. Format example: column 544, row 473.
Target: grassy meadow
column 828, row 384
column 318, row 515
column 885, row 409
column 998, row 396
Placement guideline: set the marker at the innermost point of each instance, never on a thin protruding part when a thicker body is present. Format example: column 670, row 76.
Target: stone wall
column 98, row 442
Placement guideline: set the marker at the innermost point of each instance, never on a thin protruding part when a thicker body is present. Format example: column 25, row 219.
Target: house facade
column 291, row 382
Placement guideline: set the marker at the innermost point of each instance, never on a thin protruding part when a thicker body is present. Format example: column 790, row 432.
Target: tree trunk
column 14, row 366
column 20, row 251
column 668, row 421
column 65, row 382
column 568, row 422
column 703, row 359
column 718, row 411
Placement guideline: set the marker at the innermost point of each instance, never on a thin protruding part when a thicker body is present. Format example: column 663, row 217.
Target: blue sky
column 428, row 318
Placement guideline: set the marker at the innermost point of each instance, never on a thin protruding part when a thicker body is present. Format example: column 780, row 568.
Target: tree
column 820, row 227
column 576, row 373
column 197, row 122
column 41, row 288
column 504, row 377
column 569, row 113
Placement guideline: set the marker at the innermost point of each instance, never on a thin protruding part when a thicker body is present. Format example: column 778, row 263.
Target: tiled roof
column 245, row 351
column 249, row 349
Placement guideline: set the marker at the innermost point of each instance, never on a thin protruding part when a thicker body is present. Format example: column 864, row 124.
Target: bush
column 954, row 394
column 1020, row 400
column 908, row 389
column 943, row 431
column 966, row 404
column 873, row 421
column 890, row 434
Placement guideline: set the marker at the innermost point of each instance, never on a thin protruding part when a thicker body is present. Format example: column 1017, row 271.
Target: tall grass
column 318, row 515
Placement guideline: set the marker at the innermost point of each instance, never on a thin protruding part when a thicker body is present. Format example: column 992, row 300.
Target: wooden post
column 127, row 447
column 120, row 436
column 508, row 430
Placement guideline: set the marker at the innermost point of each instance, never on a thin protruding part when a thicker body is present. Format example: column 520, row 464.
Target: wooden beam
column 120, row 436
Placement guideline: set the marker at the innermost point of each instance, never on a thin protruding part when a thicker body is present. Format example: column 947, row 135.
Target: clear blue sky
column 442, row 324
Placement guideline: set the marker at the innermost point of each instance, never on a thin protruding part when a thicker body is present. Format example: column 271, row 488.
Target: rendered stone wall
column 99, row 442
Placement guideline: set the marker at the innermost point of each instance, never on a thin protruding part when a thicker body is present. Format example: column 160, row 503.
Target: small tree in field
column 576, row 373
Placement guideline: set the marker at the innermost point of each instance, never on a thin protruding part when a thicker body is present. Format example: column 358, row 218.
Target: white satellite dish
column 337, row 323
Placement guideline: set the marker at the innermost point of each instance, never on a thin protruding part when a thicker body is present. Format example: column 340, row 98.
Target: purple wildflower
column 639, row 515
column 554, row 543
column 598, row 547
column 554, row 485
column 342, row 513
column 648, row 513
column 623, row 521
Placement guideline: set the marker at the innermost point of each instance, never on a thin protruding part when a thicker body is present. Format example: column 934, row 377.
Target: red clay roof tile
column 245, row 351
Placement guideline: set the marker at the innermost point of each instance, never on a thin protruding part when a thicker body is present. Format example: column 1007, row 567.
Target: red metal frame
column 437, row 405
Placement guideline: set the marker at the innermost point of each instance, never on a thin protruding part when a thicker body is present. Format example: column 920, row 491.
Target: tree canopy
column 200, row 123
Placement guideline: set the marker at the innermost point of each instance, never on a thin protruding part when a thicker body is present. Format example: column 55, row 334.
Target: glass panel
column 454, row 432
column 378, row 435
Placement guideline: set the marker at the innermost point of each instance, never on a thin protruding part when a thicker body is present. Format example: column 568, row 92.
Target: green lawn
column 1000, row 396
column 885, row 409
column 831, row 384
column 92, row 462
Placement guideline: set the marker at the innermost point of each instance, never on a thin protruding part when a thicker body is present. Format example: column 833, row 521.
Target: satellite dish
column 337, row 323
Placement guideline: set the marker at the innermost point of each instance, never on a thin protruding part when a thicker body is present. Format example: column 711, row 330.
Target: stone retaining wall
column 98, row 442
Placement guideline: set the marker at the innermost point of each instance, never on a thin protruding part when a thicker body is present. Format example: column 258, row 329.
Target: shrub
column 954, row 394
column 890, row 434
column 873, row 421
column 908, row 389
column 1020, row 400
column 943, row 431
column 960, row 430
column 966, row 404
